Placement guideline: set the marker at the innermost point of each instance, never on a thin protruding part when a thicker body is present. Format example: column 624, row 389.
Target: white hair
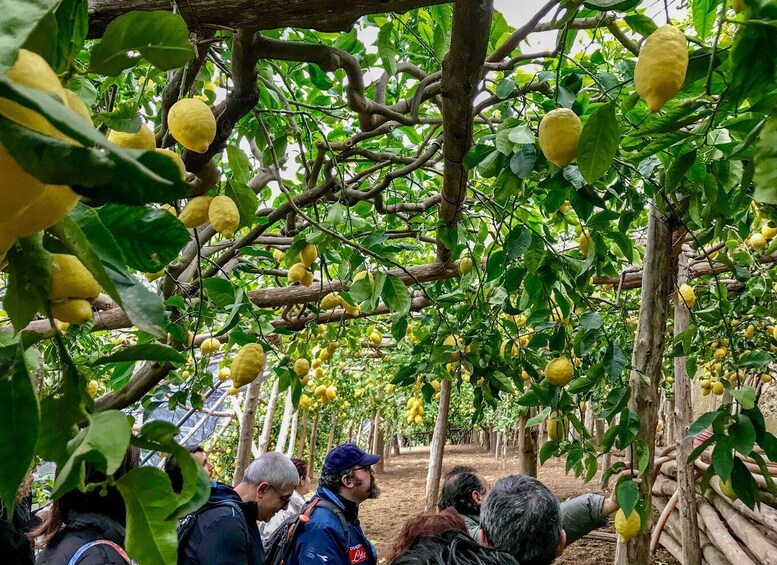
column 273, row 468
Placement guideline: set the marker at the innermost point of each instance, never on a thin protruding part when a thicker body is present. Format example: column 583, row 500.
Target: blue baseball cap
column 346, row 456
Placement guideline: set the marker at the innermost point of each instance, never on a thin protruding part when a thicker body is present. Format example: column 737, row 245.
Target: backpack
column 89, row 545
column 282, row 541
column 186, row 524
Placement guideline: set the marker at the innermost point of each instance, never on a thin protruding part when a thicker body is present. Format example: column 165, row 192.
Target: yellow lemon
column 727, row 489
column 73, row 311
column 718, row 388
column 687, row 295
column 559, row 134
column 91, row 387
column 192, row 124
column 661, row 66
column 558, row 427
column 627, row 526
column 330, row 301
column 224, row 215
column 301, row 367
column 308, row 254
column 757, row 241
column 465, row 265
column 210, row 345
column 768, row 232
column 70, row 279
column 141, row 139
column 584, row 243
column 296, row 272
column 195, row 213
column 247, row 365
column 307, row 279
column 559, row 371
column 224, row 373
column 453, row 341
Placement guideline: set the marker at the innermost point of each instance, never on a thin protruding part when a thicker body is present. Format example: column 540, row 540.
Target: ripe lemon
column 558, row 427
column 224, row 215
column 173, row 156
column 141, row 139
column 627, row 526
column 331, row 392
column 559, row 134
column 224, row 373
column 192, row 124
column 278, row 255
column 51, row 206
column 687, row 295
column 91, row 387
column 750, row 331
column 720, row 353
column 307, row 279
column 559, row 371
column 584, row 243
column 70, row 279
column 768, row 232
column 296, row 272
column 301, row 367
column 727, row 488
column 361, row 274
column 376, row 338
column 453, row 341
column 718, row 388
column 757, row 241
column 247, row 365
column 465, row 265
column 210, row 345
column 308, row 254
column 17, row 187
column 661, row 66
column 330, row 301
column 195, row 213
column 74, row 311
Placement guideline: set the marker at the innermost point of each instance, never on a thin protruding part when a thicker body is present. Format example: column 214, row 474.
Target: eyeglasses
column 368, row 468
column 285, row 498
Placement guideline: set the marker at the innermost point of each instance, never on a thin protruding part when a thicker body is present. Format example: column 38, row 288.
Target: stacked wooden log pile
column 729, row 531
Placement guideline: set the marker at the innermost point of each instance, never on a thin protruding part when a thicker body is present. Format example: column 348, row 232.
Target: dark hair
column 302, row 467
column 334, row 482
column 522, row 517
column 452, row 548
column 457, row 491
column 173, row 469
column 107, row 502
column 458, row 469
column 425, row 524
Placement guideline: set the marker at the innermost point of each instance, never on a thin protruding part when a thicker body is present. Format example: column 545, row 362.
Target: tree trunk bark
column 272, row 403
column 247, row 425
column 371, row 437
column 486, row 439
column 350, row 431
column 683, row 418
column 293, row 435
column 331, row 439
column 646, row 360
column 313, row 442
column 438, row 447
column 377, row 447
column 303, row 435
column 283, row 435
column 395, row 448
column 527, row 445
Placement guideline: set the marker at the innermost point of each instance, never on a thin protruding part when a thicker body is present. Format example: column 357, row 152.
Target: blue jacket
column 322, row 539
column 222, row 535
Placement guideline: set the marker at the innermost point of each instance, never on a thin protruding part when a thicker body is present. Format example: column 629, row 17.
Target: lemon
column 17, row 187
column 376, row 338
column 234, row 391
column 296, row 272
column 453, row 341
column 316, row 363
column 330, row 301
column 195, row 213
column 331, row 392
column 389, row 388
column 361, row 274
column 768, row 232
column 718, row 388
column 320, row 390
column 627, row 526
column 766, row 378
column 91, row 388
column 727, row 489
column 559, row 134
column 307, row 279
column 61, row 326
column 304, row 401
column 687, row 295
column 73, row 311
column 418, row 419
column 224, row 373
column 141, row 139
column 192, row 124
column 435, row 385
column 584, row 243
column 169, row 209
column 70, row 279
column 224, row 215
column 278, row 255
column 319, row 372
column 465, row 265
column 757, row 241
column 559, row 371
column 558, row 427
column 661, row 66
column 173, row 156
column 301, row 367
column 247, row 365
column 308, row 254
column 750, row 331
column 705, row 383
column 720, row 353
column 210, row 345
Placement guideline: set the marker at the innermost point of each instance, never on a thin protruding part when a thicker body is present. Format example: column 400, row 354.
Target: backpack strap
column 183, row 536
column 89, row 545
column 304, row 517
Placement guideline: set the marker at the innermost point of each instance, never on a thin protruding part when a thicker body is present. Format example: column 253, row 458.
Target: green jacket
column 579, row 515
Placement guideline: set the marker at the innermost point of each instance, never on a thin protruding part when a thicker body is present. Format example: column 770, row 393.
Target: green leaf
column 245, row 199
column 162, row 38
column 505, row 88
column 144, row 308
column 151, row 535
column 702, row 423
column 599, row 143
column 741, row 434
column 677, row 170
column 640, row 23
column 399, row 328
column 703, row 16
column 723, row 458
column 220, row 291
column 395, row 295
column 29, row 279
column 60, row 36
column 745, row 396
column 388, row 55
column 627, row 495
column 501, row 382
column 144, row 351
column 765, row 177
column 522, row 161
column 752, row 62
column 19, row 424
column 756, row 359
column 318, row 77
column 517, row 242
column 615, row 360
column 19, row 21
column 149, row 238
column 94, row 167
column 239, row 163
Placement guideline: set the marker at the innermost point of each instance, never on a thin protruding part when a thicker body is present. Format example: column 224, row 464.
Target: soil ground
column 404, row 482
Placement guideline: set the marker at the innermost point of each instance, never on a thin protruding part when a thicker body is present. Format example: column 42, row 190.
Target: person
column 464, row 490
column 174, row 471
column 296, row 503
column 225, row 530
column 522, row 517
column 15, row 546
column 424, row 525
column 452, row 547
column 89, row 524
column 347, row 480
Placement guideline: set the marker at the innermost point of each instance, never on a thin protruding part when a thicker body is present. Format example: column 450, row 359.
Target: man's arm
column 583, row 514
column 224, row 542
column 322, row 543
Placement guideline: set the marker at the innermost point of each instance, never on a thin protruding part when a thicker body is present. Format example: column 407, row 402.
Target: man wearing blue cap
column 333, row 535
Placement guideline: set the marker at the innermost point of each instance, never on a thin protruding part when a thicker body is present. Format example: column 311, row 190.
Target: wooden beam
column 322, row 15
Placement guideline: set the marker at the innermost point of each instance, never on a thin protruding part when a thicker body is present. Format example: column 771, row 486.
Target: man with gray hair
column 224, row 531
column 522, row 517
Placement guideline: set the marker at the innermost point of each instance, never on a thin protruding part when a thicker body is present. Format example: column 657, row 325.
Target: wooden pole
column 313, row 442
column 283, row 435
column 293, row 434
column 272, row 403
column 303, row 435
column 377, row 446
column 683, row 418
column 331, row 439
column 646, row 363
column 437, row 448
column 247, row 424
column 527, row 445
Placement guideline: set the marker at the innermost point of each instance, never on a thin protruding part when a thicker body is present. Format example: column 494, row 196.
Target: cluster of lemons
column 298, row 272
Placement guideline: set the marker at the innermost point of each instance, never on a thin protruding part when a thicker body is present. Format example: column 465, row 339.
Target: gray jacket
column 579, row 515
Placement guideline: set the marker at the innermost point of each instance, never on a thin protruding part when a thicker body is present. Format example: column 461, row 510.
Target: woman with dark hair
column 451, row 548
column 86, row 528
column 424, row 525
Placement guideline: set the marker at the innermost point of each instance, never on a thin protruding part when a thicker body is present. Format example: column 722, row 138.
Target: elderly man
column 225, row 531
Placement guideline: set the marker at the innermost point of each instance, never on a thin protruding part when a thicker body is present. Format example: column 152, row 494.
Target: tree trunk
column 293, row 434
column 497, row 444
column 486, row 444
column 395, row 449
column 438, row 447
column 331, row 439
column 670, row 424
column 683, row 418
column 350, row 431
column 272, row 403
column 303, row 435
column 358, row 439
column 646, row 360
column 378, row 445
column 283, row 435
column 371, row 437
column 313, row 441
column 527, row 445
column 247, row 425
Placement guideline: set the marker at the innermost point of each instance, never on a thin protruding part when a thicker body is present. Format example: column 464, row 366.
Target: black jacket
column 222, row 536
column 14, row 545
column 81, row 529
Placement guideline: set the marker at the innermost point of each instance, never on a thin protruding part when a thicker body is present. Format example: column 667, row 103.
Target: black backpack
column 186, row 524
column 282, row 541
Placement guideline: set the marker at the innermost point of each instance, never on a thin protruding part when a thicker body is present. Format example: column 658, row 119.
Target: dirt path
column 404, row 482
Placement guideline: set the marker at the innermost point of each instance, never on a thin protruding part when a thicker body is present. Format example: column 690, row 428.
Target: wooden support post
column 332, row 426
column 437, row 448
column 247, row 424
column 272, row 403
column 527, row 445
column 283, row 435
column 293, row 434
column 313, row 442
column 303, row 435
